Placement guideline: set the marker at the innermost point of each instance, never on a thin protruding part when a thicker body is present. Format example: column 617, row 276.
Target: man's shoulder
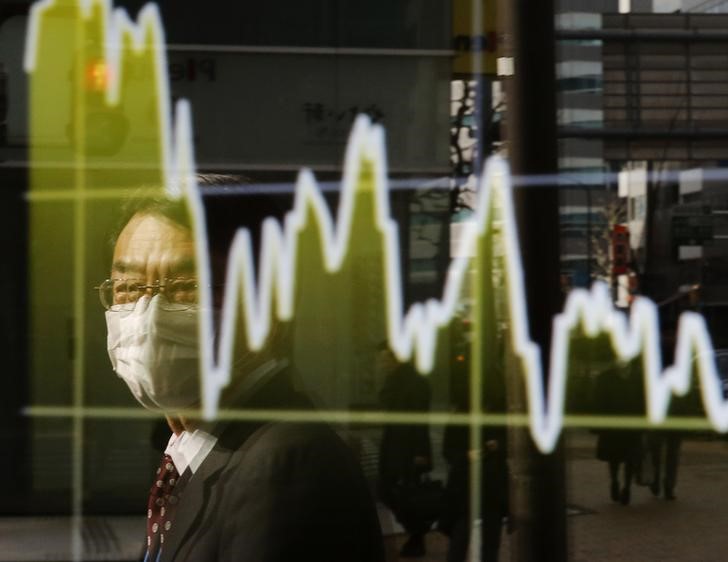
column 294, row 488
column 281, row 447
column 292, row 436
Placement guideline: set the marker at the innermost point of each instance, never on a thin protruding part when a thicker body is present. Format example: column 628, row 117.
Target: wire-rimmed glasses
column 117, row 295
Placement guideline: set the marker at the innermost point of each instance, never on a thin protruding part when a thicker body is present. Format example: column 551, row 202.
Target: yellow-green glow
column 101, row 126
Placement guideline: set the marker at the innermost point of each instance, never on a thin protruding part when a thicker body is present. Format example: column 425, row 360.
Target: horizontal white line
column 292, row 50
column 370, row 417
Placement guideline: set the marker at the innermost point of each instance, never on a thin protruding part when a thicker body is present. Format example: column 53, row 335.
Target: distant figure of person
column 667, row 442
column 405, row 453
column 619, row 393
column 456, row 520
column 663, row 447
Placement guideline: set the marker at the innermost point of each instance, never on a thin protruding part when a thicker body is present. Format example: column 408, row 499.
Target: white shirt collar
column 189, row 449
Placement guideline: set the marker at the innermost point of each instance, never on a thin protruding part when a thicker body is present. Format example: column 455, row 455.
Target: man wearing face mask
column 254, row 491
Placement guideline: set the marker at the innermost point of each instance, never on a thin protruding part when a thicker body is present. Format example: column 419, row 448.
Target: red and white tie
column 163, row 499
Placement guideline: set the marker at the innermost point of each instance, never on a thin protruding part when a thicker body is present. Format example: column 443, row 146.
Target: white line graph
column 411, row 333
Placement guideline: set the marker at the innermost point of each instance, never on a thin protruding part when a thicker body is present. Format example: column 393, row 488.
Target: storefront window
column 318, row 280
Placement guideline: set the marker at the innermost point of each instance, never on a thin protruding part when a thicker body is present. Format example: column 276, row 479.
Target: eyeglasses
column 123, row 294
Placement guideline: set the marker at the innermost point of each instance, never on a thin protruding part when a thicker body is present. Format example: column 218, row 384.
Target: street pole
column 540, row 494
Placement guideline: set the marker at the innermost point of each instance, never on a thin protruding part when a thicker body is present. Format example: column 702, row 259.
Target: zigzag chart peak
column 311, row 248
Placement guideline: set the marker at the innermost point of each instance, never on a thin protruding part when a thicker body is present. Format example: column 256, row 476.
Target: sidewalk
column 35, row 539
column 690, row 529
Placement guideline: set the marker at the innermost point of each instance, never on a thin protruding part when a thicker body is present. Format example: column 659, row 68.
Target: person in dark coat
column 405, row 453
column 664, row 466
column 456, row 519
column 276, row 492
column 619, row 392
column 663, row 446
column 263, row 491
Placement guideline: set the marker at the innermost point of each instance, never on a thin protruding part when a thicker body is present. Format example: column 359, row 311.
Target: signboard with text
column 475, row 39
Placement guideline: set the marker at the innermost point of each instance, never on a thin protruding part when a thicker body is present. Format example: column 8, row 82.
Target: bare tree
column 614, row 213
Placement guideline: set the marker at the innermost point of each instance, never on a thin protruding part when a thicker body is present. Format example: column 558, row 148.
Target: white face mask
column 156, row 352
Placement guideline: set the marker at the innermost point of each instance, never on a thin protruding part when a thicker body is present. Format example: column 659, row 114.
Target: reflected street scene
column 411, row 280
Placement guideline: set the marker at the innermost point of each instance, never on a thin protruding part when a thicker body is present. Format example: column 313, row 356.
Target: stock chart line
column 266, row 294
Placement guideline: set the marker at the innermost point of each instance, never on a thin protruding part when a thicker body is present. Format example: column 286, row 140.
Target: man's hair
column 174, row 210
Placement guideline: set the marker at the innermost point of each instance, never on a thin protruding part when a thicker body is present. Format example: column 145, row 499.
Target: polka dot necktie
column 163, row 498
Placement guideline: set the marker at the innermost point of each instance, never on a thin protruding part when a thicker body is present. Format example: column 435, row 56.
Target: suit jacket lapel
column 231, row 437
column 194, row 495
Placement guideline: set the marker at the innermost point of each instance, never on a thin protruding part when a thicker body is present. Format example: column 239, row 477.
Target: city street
column 689, row 529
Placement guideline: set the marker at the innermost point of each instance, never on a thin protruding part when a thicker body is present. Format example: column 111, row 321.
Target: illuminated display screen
column 237, row 306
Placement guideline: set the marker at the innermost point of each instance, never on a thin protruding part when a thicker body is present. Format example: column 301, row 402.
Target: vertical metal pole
column 533, row 150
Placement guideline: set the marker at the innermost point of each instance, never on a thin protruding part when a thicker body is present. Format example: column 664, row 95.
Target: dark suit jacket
column 276, row 492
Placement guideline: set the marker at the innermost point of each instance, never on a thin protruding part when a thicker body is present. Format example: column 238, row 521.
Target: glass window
column 312, row 280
